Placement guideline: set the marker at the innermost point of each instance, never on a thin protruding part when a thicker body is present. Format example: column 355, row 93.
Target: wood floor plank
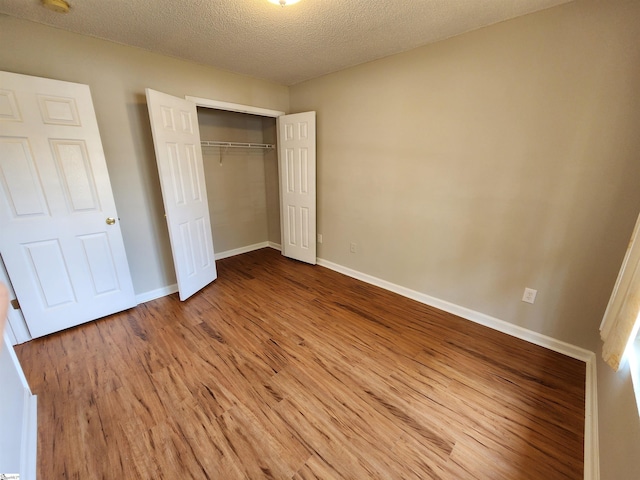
column 282, row 370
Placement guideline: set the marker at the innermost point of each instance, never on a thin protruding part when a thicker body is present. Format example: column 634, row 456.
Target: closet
column 239, row 153
column 244, row 175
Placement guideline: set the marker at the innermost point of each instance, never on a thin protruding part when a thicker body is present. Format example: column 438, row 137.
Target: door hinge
column 15, row 304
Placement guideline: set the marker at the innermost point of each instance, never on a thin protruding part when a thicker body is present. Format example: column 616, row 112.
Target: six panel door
column 61, row 241
column 176, row 138
column 297, row 171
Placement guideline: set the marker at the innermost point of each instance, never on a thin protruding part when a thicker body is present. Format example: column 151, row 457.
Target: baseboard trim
column 157, row 293
column 466, row 313
column 591, row 446
column 275, row 246
column 29, row 448
column 591, row 442
column 168, row 290
column 241, row 250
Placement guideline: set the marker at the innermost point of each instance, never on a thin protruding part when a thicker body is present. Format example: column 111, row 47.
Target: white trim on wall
column 466, row 313
column 233, row 107
column 591, row 446
column 29, row 449
column 27, row 423
column 591, row 442
column 241, row 250
column 16, row 326
column 275, row 246
column 157, row 293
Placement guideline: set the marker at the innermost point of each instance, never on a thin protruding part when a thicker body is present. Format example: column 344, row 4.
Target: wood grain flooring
column 282, row 370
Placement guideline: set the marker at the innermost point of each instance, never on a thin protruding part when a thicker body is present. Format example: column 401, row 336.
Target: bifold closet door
column 297, row 171
column 176, row 139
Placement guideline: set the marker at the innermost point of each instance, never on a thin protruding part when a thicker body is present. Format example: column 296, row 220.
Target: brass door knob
column 111, row 220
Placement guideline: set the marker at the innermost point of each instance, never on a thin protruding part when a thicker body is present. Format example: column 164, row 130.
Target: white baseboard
column 241, row 250
column 591, row 442
column 157, row 293
column 466, row 313
column 275, row 246
column 29, row 449
column 164, row 291
column 591, row 447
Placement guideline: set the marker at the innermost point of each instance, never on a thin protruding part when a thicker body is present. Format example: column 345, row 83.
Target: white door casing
column 16, row 328
column 297, row 169
column 176, row 138
column 66, row 264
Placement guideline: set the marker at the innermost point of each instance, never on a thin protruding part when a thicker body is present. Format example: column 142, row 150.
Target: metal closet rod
column 215, row 143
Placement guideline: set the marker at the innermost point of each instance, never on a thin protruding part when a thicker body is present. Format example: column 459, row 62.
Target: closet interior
column 241, row 172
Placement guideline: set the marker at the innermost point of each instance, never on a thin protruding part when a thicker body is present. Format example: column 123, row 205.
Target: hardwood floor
column 287, row 371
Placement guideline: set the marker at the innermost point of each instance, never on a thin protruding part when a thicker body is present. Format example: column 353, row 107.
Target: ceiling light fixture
column 284, row 3
column 58, row 6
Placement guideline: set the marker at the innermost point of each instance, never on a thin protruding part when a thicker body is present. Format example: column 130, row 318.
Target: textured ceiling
column 286, row 45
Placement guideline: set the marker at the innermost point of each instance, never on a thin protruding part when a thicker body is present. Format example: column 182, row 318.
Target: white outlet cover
column 529, row 295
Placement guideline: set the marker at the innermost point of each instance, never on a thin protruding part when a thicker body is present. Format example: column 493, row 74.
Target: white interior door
column 60, row 241
column 176, row 138
column 297, row 170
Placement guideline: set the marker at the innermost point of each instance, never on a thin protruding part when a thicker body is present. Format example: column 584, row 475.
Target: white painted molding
column 29, row 449
column 233, row 107
column 466, row 313
column 164, row 291
column 28, row 423
column 591, row 442
column 633, row 357
column 241, row 250
column 16, row 363
column 13, row 340
column 591, row 445
column 18, row 326
column 157, row 293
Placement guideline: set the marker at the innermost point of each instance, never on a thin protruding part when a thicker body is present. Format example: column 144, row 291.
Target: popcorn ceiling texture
column 286, row 45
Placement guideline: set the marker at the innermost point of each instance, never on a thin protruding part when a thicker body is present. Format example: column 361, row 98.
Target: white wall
column 17, row 415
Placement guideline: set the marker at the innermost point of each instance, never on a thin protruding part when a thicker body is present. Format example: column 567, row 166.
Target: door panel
column 66, row 264
column 297, row 159
column 23, row 189
column 176, row 139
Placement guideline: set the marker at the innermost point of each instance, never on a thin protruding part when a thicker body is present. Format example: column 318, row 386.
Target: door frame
column 234, row 107
column 16, row 330
column 239, row 108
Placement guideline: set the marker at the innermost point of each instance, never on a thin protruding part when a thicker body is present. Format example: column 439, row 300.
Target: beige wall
column 236, row 181
column 501, row 159
column 272, row 181
column 504, row 158
column 117, row 76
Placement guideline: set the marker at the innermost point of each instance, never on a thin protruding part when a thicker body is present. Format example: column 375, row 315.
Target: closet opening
column 240, row 158
column 244, row 187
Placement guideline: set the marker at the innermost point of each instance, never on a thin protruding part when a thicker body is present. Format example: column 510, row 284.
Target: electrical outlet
column 529, row 295
column 319, row 238
column 353, row 247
